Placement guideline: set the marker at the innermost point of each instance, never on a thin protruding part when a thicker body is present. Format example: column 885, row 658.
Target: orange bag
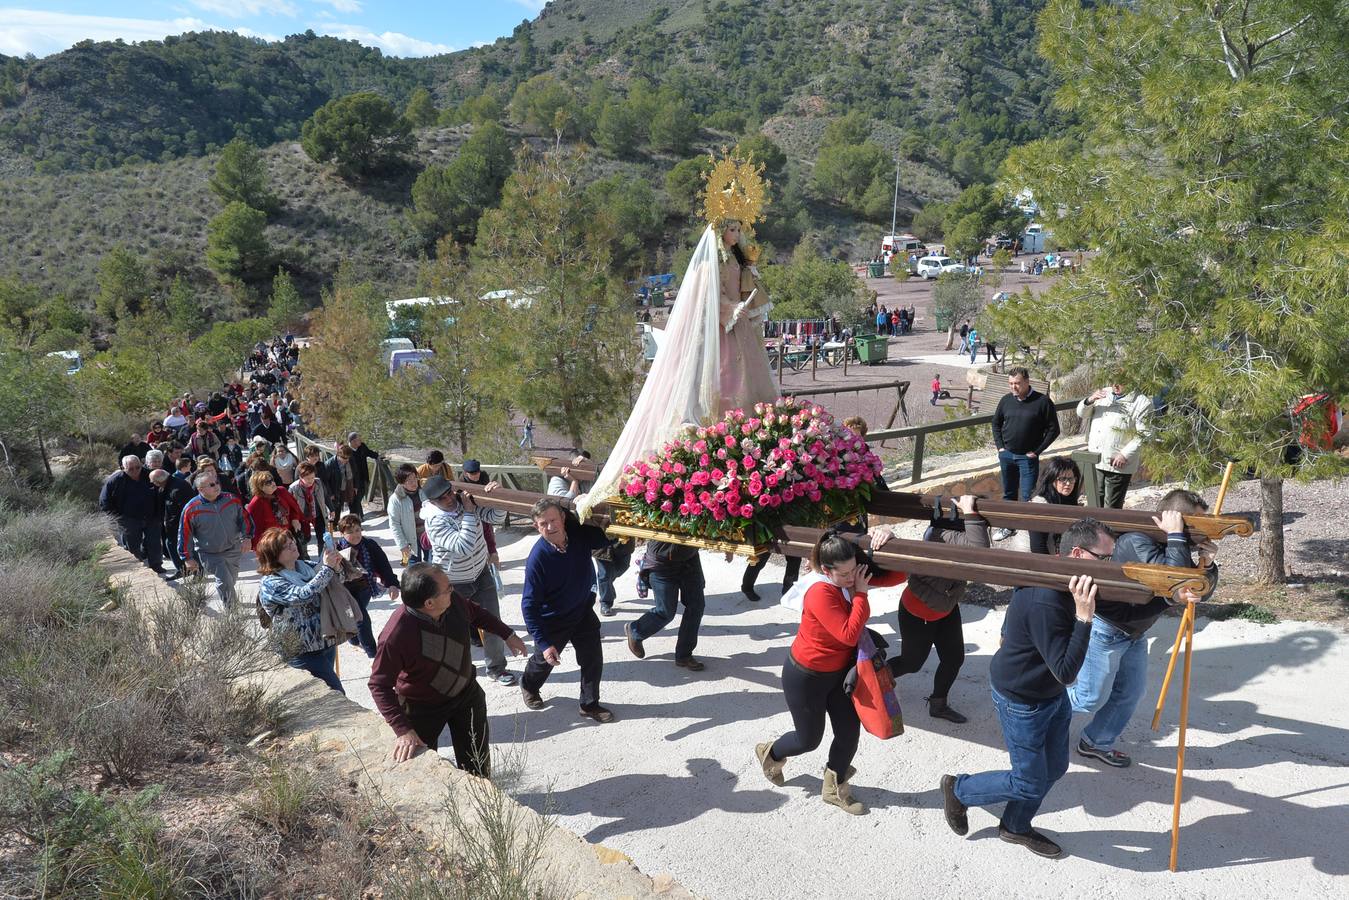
column 874, row 695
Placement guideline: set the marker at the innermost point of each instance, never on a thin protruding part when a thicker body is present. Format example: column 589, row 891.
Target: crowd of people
column 217, row 477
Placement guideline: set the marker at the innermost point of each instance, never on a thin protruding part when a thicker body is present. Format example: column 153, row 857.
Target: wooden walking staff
column 1184, row 634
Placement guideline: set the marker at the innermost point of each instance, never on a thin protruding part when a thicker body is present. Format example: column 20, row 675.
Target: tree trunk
column 1270, row 568
column 951, row 336
column 42, row 448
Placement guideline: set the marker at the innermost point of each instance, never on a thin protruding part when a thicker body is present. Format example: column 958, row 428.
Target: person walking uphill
column 833, row 616
column 128, row 496
column 675, row 573
column 1024, row 425
column 454, row 527
column 1044, row 641
column 558, row 603
column 423, row 679
column 213, row 533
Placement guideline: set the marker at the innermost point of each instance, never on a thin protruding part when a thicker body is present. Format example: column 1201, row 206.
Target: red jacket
column 260, row 513
column 831, row 627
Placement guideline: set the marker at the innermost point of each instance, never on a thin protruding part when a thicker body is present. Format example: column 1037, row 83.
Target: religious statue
column 712, row 359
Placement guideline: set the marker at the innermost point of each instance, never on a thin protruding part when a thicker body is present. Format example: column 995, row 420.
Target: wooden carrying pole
column 1185, row 634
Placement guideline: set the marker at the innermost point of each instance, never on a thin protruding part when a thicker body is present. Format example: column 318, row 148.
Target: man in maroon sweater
column 423, row 678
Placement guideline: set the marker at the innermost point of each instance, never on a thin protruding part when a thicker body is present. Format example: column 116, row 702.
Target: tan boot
column 772, row 768
column 837, row 793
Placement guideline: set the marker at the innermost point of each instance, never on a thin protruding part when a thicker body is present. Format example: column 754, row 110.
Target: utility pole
column 894, row 207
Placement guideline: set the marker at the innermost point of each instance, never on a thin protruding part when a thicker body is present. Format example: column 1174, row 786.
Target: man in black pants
column 558, row 604
column 423, row 677
column 929, row 615
column 676, row 575
column 1024, row 425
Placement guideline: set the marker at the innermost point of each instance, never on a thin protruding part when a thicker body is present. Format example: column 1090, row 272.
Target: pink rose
column 668, row 490
column 746, row 510
column 667, row 506
column 650, row 496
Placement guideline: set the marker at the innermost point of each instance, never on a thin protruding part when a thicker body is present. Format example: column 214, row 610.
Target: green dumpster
column 877, row 270
column 872, row 348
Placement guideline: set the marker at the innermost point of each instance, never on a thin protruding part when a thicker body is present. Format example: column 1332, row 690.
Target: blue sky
column 397, row 28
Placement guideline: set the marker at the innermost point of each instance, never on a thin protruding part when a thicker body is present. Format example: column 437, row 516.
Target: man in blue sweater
column 558, row 604
column 1044, row 640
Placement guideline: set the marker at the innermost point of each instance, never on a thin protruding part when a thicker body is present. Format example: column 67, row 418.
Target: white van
column 389, row 346
column 937, row 266
column 74, row 362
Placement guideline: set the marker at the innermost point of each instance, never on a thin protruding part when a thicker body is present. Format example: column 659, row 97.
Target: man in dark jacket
column 1115, row 673
column 362, row 457
column 1024, row 425
column 129, row 497
column 1044, row 640
column 558, row 604
column 423, row 678
column 675, row 573
column 177, row 493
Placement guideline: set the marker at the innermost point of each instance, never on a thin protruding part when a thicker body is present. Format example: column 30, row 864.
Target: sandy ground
column 674, row 784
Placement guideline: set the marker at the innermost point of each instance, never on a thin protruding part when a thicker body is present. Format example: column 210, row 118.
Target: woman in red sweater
column 834, row 614
column 272, row 508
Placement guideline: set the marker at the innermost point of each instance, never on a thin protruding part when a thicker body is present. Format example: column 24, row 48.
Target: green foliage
column 928, row 223
column 123, row 284
column 23, row 313
column 618, row 130
column 637, row 215
column 421, row 109
column 574, row 353
column 728, row 120
column 849, row 130
column 287, row 308
column 542, row 104
column 183, row 309
column 811, row 286
column 684, row 183
column 979, row 213
column 760, row 149
column 955, row 298
column 1204, row 174
column 240, row 175
column 844, row 172
column 360, row 135
column 343, row 364
column 449, row 199
column 674, row 125
column 236, row 244
column 37, row 395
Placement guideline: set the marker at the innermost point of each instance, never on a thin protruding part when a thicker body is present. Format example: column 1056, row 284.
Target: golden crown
column 734, row 189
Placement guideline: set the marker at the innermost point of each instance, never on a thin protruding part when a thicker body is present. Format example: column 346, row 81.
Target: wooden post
column 814, row 359
column 1222, row 491
column 918, row 442
column 847, row 352
column 1187, row 624
column 782, row 357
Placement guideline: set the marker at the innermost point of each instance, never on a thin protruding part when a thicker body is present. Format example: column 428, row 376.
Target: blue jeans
column 322, row 664
column 1019, row 472
column 1037, row 741
column 670, row 585
column 1110, row 683
column 607, row 571
column 365, row 633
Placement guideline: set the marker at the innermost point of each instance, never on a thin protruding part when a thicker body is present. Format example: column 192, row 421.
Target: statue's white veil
column 683, row 385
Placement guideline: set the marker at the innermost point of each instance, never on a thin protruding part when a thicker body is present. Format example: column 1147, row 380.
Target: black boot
column 937, row 708
column 748, row 590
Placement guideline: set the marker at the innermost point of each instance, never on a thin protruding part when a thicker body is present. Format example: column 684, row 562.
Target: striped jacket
column 216, row 527
column 458, row 541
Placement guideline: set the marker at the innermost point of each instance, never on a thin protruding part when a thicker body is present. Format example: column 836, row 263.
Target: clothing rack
column 798, row 329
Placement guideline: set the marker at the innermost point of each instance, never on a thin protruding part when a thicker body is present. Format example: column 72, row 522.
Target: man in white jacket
column 1117, row 424
column 454, row 528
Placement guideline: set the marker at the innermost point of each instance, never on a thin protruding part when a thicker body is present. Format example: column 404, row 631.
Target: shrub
column 287, row 797
column 64, row 532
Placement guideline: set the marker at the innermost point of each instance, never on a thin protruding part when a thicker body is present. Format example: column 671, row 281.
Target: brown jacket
column 942, row 595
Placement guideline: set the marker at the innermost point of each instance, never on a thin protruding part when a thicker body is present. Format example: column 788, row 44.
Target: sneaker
column 955, row 810
column 598, row 713
column 532, row 700
column 607, row 609
column 1033, row 841
column 634, row 643
column 1110, row 757
column 505, row 678
column 691, row 664
column 1002, row 534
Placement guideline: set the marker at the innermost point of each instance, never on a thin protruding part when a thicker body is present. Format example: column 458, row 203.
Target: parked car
column 74, row 362
column 937, row 266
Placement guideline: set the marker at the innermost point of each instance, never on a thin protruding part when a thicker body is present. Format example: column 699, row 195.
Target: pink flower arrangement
column 781, row 463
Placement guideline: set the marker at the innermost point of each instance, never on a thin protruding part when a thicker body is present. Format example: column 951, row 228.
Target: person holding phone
column 834, row 614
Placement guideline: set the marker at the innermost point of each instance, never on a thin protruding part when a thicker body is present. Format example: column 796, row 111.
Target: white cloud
column 240, row 8
column 346, row 6
column 391, row 42
column 41, row 32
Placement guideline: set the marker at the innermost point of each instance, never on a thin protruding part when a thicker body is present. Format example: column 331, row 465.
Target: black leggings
column 917, row 638
column 810, row 697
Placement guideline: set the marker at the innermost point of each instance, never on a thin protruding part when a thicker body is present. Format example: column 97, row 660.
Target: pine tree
column 241, row 175
column 1209, row 174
